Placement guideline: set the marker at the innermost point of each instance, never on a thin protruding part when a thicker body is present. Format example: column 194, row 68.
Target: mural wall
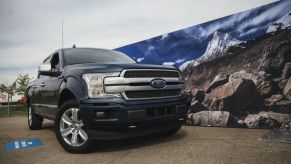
column 236, row 68
column 204, row 41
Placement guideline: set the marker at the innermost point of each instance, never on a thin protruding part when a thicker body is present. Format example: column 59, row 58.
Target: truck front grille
column 160, row 111
column 152, row 112
column 152, row 93
column 151, row 73
column 138, row 84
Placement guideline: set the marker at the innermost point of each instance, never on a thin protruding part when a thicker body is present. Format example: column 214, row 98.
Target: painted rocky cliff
column 248, row 85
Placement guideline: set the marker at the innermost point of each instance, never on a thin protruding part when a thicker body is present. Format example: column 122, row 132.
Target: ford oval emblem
column 158, row 83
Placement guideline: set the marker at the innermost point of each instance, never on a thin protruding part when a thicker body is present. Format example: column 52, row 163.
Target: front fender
column 29, row 90
column 75, row 85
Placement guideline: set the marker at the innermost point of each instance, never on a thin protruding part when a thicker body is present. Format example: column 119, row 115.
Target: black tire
column 86, row 146
column 169, row 132
column 34, row 121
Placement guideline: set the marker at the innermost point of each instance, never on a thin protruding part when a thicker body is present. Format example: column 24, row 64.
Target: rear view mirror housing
column 46, row 69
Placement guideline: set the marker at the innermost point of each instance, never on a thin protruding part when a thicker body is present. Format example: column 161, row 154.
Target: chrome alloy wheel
column 72, row 128
column 29, row 116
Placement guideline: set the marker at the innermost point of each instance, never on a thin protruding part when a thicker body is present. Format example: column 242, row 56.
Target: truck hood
column 114, row 67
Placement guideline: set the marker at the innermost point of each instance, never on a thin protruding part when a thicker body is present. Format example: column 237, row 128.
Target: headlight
column 95, row 86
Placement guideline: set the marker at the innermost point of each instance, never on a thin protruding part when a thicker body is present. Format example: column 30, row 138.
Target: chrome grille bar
column 132, row 86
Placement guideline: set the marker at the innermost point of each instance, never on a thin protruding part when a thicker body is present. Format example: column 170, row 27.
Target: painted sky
column 30, row 30
column 190, row 43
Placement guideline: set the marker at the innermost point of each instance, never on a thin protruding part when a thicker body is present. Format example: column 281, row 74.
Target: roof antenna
column 74, row 46
column 62, row 33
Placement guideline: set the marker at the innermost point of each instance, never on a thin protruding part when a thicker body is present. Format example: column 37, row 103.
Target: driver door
column 51, row 87
column 38, row 98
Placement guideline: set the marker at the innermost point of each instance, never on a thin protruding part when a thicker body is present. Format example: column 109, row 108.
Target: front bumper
column 130, row 120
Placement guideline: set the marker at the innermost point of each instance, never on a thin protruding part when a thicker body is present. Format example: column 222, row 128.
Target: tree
column 3, row 88
column 22, row 83
column 9, row 89
column 18, row 86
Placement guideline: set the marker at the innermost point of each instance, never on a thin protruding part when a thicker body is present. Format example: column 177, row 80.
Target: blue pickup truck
column 104, row 94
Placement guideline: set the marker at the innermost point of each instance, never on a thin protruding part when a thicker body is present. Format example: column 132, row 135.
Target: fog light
column 181, row 119
column 100, row 114
column 132, row 126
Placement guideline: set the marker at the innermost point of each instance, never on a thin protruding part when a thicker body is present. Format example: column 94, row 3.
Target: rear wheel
column 34, row 120
column 70, row 130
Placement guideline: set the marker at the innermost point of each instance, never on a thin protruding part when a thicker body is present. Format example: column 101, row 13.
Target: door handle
column 42, row 84
column 34, row 86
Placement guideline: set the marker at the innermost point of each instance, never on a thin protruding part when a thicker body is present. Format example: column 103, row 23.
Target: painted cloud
column 187, row 45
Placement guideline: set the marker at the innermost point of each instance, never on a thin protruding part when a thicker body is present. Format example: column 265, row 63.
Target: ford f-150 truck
column 104, row 94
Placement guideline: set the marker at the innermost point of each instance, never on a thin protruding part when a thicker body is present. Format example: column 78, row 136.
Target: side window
column 55, row 62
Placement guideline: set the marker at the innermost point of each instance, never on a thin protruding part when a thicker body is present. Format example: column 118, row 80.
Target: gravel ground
column 189, row 145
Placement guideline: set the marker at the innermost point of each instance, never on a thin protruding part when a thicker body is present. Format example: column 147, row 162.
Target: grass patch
column 14, row 111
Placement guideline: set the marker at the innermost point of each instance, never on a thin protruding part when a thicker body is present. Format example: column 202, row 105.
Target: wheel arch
column 65, row 95
column 70, row 88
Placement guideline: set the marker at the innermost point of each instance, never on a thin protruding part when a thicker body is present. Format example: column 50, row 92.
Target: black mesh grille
column 149, row 73
column 152, row 93
column 160, row 111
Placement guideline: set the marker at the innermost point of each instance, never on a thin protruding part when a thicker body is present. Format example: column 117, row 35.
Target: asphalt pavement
column 189, row 145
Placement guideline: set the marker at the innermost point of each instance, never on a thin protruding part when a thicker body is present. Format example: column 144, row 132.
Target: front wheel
column 70, row 130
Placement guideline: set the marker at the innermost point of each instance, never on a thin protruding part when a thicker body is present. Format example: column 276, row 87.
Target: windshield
column 87, row 55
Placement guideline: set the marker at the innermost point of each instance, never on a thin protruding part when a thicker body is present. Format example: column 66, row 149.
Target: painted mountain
column 215, row 48
column 196, row 44
column 282, row 23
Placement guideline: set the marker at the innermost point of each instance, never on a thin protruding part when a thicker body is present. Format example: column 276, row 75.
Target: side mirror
column 44, row 69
